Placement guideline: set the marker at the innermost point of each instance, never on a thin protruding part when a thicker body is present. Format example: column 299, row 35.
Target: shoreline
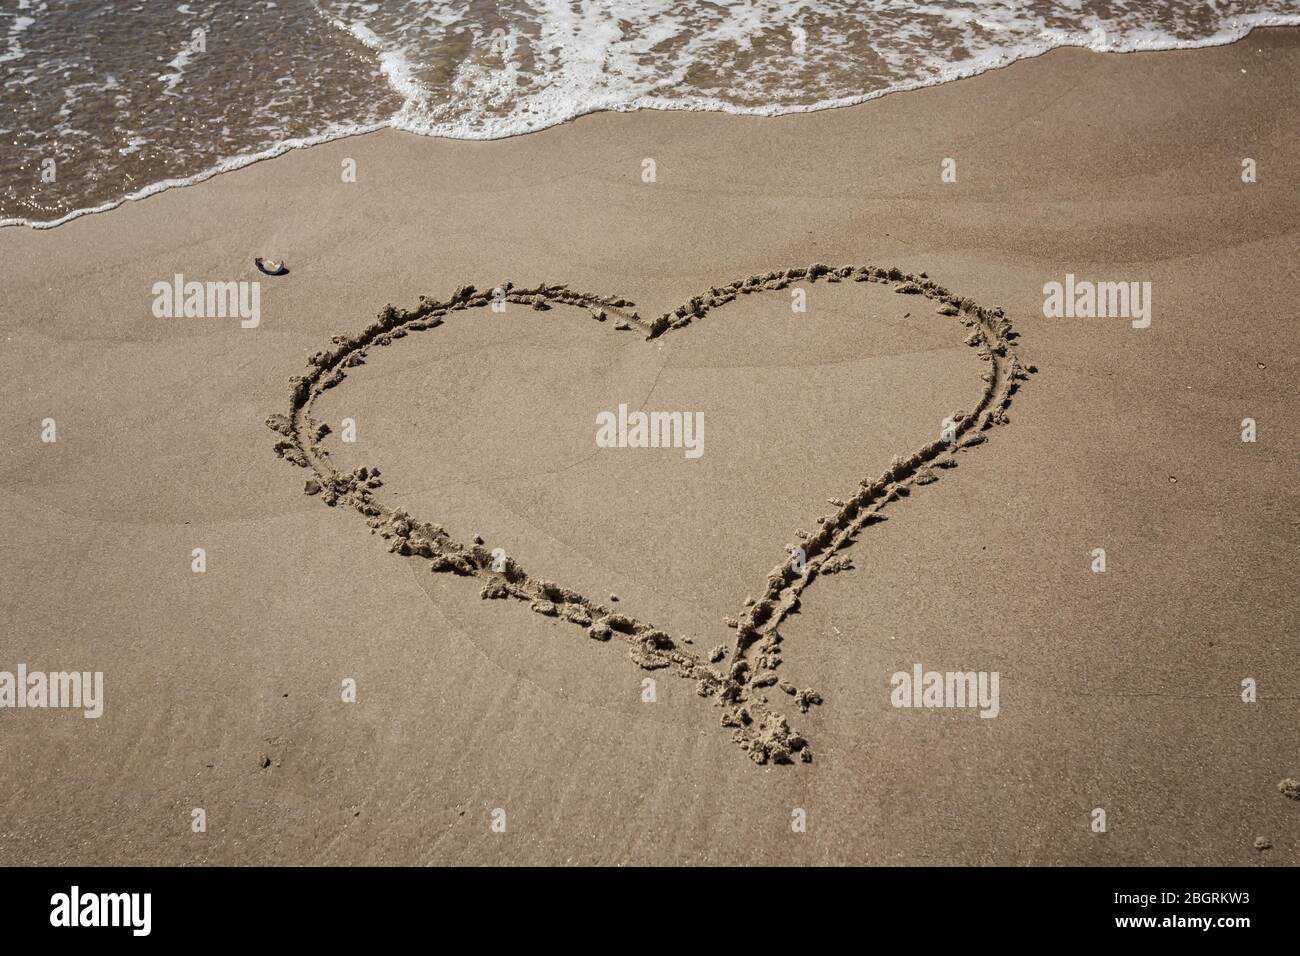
column 1002, row 61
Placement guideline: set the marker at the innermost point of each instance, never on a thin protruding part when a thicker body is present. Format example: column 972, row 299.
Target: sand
column 497, row 730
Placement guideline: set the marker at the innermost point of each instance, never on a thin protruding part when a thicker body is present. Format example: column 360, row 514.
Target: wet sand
column 1119, row 690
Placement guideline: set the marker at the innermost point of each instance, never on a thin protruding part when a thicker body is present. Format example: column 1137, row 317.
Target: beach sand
column 1119, row 690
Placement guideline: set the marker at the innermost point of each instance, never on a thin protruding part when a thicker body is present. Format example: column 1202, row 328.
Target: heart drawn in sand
column 742, row 677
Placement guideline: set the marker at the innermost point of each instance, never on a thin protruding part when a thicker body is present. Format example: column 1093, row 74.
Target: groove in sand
column 754, row 654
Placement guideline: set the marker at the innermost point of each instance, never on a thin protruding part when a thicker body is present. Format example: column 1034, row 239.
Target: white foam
column 17, row 26
column 638, row 54
column 397, row 70
column 576, row 95
column 178, row 64
column 226, row 165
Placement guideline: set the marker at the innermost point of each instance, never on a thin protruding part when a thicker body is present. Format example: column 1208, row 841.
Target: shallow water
column 104, row 102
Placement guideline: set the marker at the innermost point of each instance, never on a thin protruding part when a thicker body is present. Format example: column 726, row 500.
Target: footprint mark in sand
column 738, row 675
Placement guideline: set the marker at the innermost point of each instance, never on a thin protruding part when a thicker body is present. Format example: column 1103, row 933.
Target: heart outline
column 759, row 729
